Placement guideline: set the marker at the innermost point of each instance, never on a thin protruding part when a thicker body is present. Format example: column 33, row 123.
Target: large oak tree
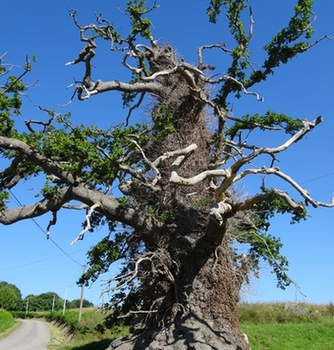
column 166, row 189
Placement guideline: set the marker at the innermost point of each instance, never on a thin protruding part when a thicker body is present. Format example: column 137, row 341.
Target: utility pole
column 53, row 302
column 27, row 305
column 64, row 307
column 82, row 294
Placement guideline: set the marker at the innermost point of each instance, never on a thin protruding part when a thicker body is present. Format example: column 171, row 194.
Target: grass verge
column 7, row 324
column 88, row 334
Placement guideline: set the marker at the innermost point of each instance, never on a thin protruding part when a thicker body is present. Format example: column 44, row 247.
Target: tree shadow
column 96, row 345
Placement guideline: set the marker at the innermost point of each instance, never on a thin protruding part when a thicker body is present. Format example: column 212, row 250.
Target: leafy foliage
column 286, row 44
column 75, row 304
column 136, row 9
column 50, row 301
column 43, row 302
column 268, row 210
column 102, row 255
column 6, row 321
column 10, row 297
column 268, row 121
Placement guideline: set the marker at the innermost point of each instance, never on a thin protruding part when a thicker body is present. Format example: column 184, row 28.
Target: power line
column 39, row 261
column 312, row 180
column 310, row 159
column 37, row 224
column 34, row 271
column 317, row 178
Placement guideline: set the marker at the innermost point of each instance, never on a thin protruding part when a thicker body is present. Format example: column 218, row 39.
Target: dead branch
column 126, row 279
column 52, row 115
column 150, row 164
column 175, row 178
column 200, row 50
column 88, row 225
column 276, row 171
column 26, row 70
column 307, row 127
column 250, row 203
column 132, row 108
column 183, row 151
column 218, row 211
column 75, row 207
column 237, row 82
column 51, row 223
column 99, row 87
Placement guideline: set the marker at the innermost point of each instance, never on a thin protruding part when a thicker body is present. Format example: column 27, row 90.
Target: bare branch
column 26, row 70
column 249, row 203
column 136, row 105
column 183, row 151
column 200, row 50
column 307, row 127
column 51, row 223
column 45, row 124
column 230, row 175
column 241, row 86
column 150, row 164
column 218, row 211
column 175, row 178
column 126, row 279
column 88, row 225
column 100, row 87
column 157, row 266
column 251, row 25
column 318, row 41
column 275, row 171
column 75, row 207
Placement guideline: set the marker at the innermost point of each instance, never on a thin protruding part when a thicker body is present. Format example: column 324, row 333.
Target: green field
column 290, row 336
column 274, row 326
column 291, row 326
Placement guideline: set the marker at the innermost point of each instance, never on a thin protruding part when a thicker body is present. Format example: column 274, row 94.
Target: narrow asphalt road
column 31, row 335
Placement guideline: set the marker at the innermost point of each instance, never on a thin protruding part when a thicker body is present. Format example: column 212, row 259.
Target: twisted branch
column 88, row 225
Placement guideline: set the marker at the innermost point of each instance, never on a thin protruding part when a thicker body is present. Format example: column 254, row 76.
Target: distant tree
column 10, row 297
column 75, row 304
column 44, row 302
column 175, row 216
column 31, row 302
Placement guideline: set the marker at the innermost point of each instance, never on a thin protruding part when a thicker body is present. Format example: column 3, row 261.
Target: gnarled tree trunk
column 189, row 284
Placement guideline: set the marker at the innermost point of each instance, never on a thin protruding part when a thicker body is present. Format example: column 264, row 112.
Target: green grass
column 290, row 336
column 7, row 321
column 279, row 326
column 88, row 334
column 258, row 313
column 274, row 326
column 269, row 326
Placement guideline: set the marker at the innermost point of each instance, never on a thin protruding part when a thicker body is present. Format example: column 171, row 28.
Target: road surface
column 31, row 335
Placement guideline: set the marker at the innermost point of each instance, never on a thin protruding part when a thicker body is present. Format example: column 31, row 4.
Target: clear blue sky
column 303, row 89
